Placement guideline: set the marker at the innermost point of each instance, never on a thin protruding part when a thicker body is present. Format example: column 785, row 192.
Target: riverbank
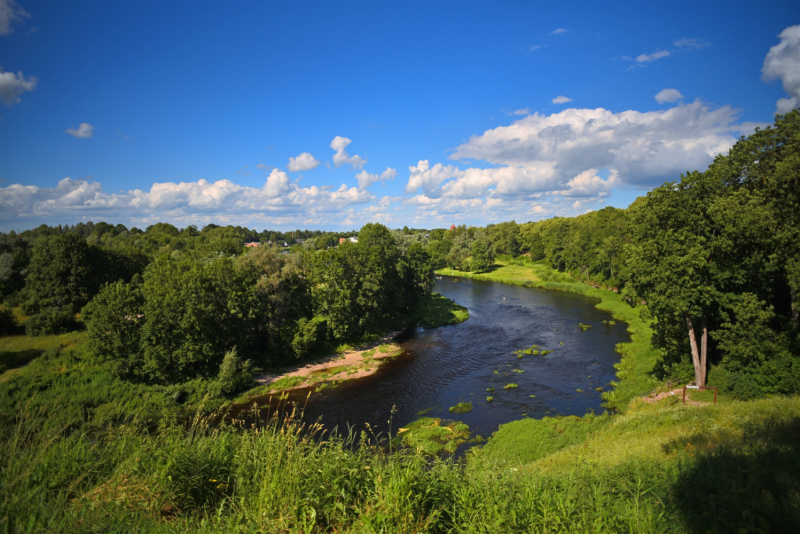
column 350, row 363
column 634, row 370
column 329, row 371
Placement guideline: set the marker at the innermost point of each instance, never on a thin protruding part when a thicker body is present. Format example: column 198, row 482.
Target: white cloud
column 523, row 111
column 581, row 153
column 535, row 47
column 339, row 144
column 783, row 63
column 668, row 95
column 12, row 86
column 561, row 99
column 223, row 202
column 558, row 30
column 303, row 162
column 10, row 12
column 83, row 130
column 430, row 178
column 646, row 58
column 690, row 43
column 366, row 179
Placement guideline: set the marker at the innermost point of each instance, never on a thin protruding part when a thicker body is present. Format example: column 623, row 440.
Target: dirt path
column 678, row 392
column 357, row 363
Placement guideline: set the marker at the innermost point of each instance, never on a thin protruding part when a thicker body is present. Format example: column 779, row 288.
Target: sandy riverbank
column 356, row 363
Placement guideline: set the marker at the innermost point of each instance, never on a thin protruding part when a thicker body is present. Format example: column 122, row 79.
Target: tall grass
column 733, row 468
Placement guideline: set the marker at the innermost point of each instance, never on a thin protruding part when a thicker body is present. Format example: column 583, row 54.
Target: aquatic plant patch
column 461, row 407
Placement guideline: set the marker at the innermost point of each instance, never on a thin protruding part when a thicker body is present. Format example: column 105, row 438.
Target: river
column 444, row 366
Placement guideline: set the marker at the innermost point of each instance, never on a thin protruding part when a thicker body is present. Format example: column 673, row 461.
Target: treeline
column 199, row 312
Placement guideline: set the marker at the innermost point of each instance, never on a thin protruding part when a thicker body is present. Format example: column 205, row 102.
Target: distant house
column 354, row 240
column 299, row 240
column 253, row 244
column 342, row 240
column 452, row 226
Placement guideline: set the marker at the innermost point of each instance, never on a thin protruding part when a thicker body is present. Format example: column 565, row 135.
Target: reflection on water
column 453, row 364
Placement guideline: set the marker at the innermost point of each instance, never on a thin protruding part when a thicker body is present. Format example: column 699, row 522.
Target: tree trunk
column 703, row 353
column 698, row 377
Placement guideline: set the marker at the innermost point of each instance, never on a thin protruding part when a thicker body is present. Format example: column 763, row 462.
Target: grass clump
column 584, row 327
column 489, row 399
column 461, row 407
column 490, row 389
column 432, row 436
column 510, row 386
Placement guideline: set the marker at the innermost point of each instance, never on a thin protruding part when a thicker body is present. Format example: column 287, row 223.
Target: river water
column 457, row 363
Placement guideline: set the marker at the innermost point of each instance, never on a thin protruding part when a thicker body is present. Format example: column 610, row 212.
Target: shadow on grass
column 14, row 360
column 742, row 485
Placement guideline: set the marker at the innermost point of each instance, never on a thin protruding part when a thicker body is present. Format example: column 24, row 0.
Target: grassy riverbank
column 658, row 468
column 638, row 358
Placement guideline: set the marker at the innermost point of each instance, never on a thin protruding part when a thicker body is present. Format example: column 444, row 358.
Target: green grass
column 18, row 351
column 634, row 370
column 659, row 468
column 461, row 407
column 431, row 436
column 435, row 311
column 510, row 386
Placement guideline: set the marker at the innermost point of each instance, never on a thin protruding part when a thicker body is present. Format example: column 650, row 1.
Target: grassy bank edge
column 638, row 358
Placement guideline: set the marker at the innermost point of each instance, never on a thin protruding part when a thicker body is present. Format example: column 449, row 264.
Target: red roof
column 453, row 227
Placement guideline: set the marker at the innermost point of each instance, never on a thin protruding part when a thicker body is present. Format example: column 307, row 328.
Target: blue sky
column 406, row 113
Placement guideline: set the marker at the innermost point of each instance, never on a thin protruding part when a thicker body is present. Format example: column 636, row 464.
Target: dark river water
column 457, row 363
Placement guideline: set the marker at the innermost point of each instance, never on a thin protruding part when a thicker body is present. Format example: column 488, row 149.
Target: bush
column 234, row 374
column 312, row 335
column 741, row 385
column 29, row 308
column 8, row 323
column 51, row 321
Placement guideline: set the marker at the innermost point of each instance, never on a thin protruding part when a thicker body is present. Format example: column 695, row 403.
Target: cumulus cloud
column 427, row 178
column 303, row 162
column 644, row 148
column 83, row 130
column 668, row 95
column 566, row 163
column 221, row 201
column 10, row 12
column 561, row 99
column 366, row 179
column 12, row 86
column 339, row 144
column 783, row 63
column 647, row 58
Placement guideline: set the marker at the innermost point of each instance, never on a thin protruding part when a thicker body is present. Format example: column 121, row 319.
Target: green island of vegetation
column 461, row 407
column 119, row 345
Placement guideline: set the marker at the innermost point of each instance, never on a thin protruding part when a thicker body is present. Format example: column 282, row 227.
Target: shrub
column 51, row 321
column 311, row 336
column 234, row 374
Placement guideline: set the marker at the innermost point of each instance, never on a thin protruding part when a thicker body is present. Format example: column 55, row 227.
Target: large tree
column 714, row 255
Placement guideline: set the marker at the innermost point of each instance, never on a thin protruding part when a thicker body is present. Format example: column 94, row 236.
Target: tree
column 114, row 320
column 62, row 272
column 481, row 258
